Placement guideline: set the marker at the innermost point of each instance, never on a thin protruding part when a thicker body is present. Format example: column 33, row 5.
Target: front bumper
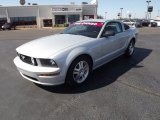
column 40, row 75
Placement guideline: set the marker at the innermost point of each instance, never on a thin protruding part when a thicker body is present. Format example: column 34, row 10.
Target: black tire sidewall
column 127, row 53
column 69, row 78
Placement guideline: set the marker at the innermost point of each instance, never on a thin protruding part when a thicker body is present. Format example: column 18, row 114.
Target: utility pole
column 145, row 15
column 121, row 13
column 106, row 15
column 148, row 1
column 134, row 15
column 158, row 12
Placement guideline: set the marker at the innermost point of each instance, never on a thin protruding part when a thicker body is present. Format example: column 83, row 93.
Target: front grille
column 27, row 59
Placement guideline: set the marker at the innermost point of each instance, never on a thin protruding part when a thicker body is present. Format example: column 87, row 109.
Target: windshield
column 88, row 29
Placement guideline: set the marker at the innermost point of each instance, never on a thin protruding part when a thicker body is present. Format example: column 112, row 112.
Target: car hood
column 47, row 46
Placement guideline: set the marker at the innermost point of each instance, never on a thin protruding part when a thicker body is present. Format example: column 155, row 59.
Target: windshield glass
column 88, row 29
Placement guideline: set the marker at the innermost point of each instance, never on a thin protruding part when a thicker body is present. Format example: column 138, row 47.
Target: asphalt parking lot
column 124, row 89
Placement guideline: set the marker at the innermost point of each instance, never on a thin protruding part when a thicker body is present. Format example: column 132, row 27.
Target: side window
column 126, row 27
column 114, row 26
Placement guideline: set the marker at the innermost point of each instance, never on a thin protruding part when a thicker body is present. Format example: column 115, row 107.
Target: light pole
column 119, row 15
column 145, row 15
column 158, row 12
column 106, row 15
column 134, row 15
column 121, row 12
column 148, row 1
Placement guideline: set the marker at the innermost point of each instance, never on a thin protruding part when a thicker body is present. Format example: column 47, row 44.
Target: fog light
column 49, row 74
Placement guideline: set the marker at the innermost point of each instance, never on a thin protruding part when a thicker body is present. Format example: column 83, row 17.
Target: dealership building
column 47, row 15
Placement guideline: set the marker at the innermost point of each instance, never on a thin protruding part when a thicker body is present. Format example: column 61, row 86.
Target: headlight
column 27, row 59
column 48, row 63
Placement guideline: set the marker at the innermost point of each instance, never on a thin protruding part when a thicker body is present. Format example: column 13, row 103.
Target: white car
column 158, row 22
column 129, row 22
column 70, row 57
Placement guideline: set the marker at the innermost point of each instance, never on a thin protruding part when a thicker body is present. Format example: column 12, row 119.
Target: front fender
column 75, row 53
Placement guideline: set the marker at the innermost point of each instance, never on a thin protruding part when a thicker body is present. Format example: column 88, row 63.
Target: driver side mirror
column 109, row 33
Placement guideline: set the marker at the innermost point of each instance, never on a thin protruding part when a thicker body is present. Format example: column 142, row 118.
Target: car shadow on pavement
column 104, row 75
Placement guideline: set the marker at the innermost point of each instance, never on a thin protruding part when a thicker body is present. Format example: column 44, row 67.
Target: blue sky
column 136, row 7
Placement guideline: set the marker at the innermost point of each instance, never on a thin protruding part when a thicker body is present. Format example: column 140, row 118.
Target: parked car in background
column 153, row 23
column 129, row 22
column 133, row 22
column 1, row 26
column 8, row 26
column 158, row 22
column 2, row 22
column 71, row 56
column 138, row 23
column 145, row 22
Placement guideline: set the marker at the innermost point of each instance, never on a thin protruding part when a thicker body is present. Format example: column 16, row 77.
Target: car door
column 112, row 46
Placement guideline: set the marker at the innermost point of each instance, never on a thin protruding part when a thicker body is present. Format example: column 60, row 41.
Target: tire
column 79, row 71
column 130, row 49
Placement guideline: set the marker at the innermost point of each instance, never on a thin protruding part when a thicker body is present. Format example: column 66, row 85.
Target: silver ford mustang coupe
column 69, row 57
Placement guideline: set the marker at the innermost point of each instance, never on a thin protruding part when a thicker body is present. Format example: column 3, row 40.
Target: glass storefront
column 3, row 21
column 60, row 19
column 24, row 20
column 73, row 18
column 47, row 22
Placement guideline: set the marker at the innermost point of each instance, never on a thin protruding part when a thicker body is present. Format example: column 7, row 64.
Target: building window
column 73, row 18
column 24, row 20
column 3, row 21
column 47, row 22
column 60, row 19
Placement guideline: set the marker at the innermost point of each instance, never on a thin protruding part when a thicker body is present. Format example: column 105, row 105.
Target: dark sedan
column 8, row 26
column 145, row 22
column 153, row 24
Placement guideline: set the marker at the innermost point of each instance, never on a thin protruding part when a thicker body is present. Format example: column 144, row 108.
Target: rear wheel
column 130, row 50
column 79, row 71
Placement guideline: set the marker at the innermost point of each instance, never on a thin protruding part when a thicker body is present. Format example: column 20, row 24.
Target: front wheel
column 130, row 50
column 79, row 71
